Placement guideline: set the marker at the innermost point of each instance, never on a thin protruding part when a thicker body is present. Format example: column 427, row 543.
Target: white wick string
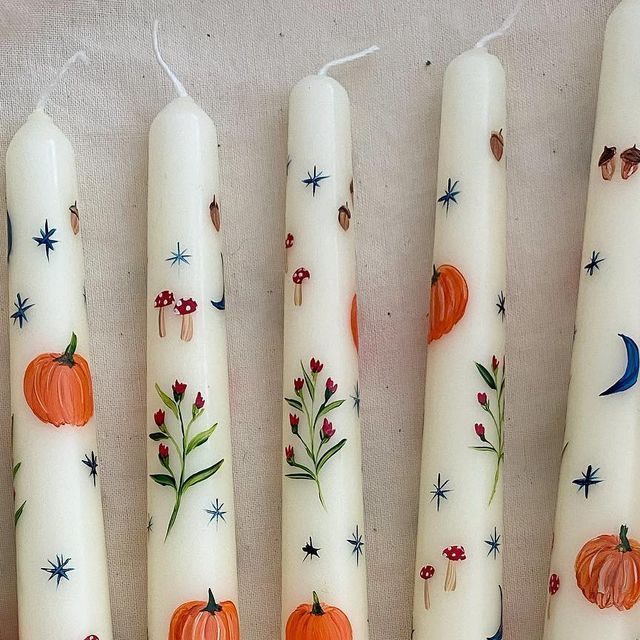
column 44, row 98
column 506, row 25
column 179, row 87
column 351, row 58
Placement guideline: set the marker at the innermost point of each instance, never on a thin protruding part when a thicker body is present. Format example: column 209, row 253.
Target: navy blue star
column 288, row 164
column 45, row 239
column 501, row 305
column 20, row 315
column 450, row 194
column 314, row 180
column 594, row 263
column 58, row 569
column 494, row 543
column 356, row 398
column 179, row 256
column 216, row 512
column 357, row 543
column 150, row 524
column 92, row 463
column 588, row 479
column 310, row 550
column 220, row 304
column 439, row 492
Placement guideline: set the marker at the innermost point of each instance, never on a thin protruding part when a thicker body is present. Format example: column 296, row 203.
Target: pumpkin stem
column 212, row 606
column 435, row 275
column 316, row 609
column 67, row 357
column 624, row 545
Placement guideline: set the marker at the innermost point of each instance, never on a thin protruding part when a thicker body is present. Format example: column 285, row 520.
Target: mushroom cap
column 454, row 553
column 632, row 155
column 554, row 583
column 607, row 154
column 427, row 572
column 163, row 299
column 185, row 306
column 300, row 274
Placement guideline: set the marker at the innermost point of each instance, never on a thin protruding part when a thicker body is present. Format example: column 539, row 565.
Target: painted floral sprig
column 184, row 444
column 494, row 379
column 319, row 430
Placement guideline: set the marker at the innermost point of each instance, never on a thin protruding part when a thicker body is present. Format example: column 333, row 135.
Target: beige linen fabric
column 239, row 60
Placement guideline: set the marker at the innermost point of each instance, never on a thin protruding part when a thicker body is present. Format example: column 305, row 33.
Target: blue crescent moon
column 630, row 376
column 220, row 304
column 498, row 634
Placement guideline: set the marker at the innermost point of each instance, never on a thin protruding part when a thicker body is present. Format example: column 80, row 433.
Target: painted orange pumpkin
column 608, row 571
column 58, row 389
column 355, row 332
column 197, row 620
column 449, row 296
column 318, row 621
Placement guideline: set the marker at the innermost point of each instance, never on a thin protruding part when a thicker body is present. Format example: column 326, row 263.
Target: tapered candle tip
column 179, row 87
column 78, row 56
column 504, row 27
column 350, row 58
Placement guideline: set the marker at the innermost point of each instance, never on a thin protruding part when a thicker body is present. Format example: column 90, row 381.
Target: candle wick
column 44, row 98
column 179, row 87
column 351, row 58
column 506, row 25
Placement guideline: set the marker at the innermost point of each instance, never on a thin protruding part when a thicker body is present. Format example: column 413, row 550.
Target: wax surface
column 594, row 581
column 323, row 546
column 191, row 520
column 63, row 590
column 458, row 577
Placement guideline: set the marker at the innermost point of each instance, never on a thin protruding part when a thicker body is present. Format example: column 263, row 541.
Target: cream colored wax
column 63, row 590
column 594, row 578
column 191, row 528
column 458, row 577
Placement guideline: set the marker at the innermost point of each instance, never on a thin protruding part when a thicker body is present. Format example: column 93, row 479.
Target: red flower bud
column 158, row 417
column 199, row 402
column 482, row 399
column 480, row 431
column 332, row 387
column 327, row 430
column 495, row 363
column 316, row 365
column 298, row 383
column 289, row 454
column 294, row 420
column 163, row 451
column 178, row 390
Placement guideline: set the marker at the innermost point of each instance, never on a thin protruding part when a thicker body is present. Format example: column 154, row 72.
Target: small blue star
column 216, row 512
column 58, row 569
column 178, row 256
column 45, row 239
column 450, row 194
column 314, row 180
column 494, row 543
column 589, row 478
column 501, row 305
column 357, row 543
column 356, row 399
column 20, row 315
column 439, row 492
column 92, row 463
column 594, row 263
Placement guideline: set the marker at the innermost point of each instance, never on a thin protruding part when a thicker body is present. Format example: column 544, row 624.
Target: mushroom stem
column 297, row 294
column 186, row 332
column 427, row 601
column 450, row 578
column 161, row 325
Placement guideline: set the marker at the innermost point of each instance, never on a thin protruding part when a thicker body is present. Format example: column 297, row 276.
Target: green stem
column 304, row 444
column 316, row 609
column 624, row 545
column 320, row 493
column 310, row 425
column 67, row 357
column 212, row 606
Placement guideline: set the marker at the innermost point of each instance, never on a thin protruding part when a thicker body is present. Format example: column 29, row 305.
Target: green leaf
column 16, row 468
column 200, row 438
column 327, row 455
column 300, row 466
column 168, row 402
column 485, row 448
column 296, row 404
column 329, row 407
column 486, row 376
column 309, row 381
column 201, row 476
column 299, row 476
column 158, row 436
column 19, row 513
column 163, row 479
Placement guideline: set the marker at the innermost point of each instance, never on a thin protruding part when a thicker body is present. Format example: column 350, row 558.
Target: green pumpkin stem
column 212, row 606
column 624, row 545
column 67, row 357
column 316, row 609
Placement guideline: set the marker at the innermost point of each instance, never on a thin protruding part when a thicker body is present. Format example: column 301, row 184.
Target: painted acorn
column 214, row 212
column 74, row 218
column 630, row 159
column 344, row 216
column 607, row 162
column 496, row 143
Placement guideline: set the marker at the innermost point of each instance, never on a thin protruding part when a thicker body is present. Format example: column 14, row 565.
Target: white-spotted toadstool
column 185, row 307
column 426, row 573
column 554, row 586
column 288, row 243
column 607, row 162
column 630, row 161
column 75, row 218
column 214, row 212
column 163, row 299
column 452, row 554
column 298, row 276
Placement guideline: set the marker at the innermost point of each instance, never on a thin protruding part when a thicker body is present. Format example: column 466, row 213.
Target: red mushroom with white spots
column 554, row 587
column 426, row 573
column 288, row 243
column 299, row 276
column 92, row 637
column 163, row 299
column 453, row 554
column 184, row 308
